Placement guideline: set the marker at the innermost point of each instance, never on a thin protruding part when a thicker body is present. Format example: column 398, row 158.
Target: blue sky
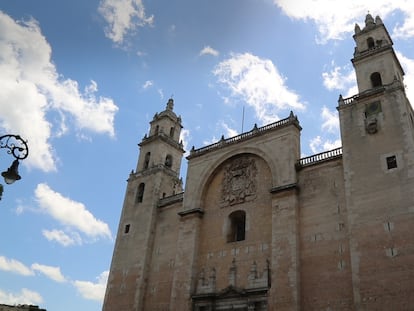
column 81, row 80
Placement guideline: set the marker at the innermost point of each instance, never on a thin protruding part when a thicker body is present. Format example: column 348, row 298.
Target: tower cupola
column 374, row 59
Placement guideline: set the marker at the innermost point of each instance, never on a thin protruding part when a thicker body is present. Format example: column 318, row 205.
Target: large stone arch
column 198, row 190
column 237, row 183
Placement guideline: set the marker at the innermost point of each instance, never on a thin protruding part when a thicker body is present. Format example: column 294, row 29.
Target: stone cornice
column 256, row 131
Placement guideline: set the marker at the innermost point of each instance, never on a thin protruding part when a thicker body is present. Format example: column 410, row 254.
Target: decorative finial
column 378, row 20
column 357, row 29
column 341, row 100
column 170, row 104
column 369, row 20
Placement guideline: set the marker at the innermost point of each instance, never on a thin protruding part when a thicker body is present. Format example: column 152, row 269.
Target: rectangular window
column 391, row 162
column 127, row 228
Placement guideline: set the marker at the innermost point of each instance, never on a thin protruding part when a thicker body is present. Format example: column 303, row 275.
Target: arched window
column 376, row 79
column 157, row 128
column 172, row 132
column 140, row 193
column 147, row 159
column 168, row 160
column 237, row 226
column 370, row 43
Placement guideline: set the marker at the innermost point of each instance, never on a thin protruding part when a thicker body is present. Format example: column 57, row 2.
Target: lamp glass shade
column 12, row 173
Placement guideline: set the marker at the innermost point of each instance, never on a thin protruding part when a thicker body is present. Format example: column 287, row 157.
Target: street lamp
column 17, row 147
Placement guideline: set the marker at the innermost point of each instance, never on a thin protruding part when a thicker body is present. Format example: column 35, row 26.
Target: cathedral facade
column 260, row 228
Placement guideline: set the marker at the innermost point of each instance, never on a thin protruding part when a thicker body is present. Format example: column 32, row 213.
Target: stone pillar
column 285, row 277
column 184, row 273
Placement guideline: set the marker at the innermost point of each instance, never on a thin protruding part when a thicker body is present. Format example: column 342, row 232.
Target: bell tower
column 377, row 130
column 156, row 176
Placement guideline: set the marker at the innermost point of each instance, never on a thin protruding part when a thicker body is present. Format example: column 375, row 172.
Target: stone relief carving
column 239, row 181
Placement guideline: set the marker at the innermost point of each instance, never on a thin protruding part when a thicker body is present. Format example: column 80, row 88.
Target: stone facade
column 260, row 228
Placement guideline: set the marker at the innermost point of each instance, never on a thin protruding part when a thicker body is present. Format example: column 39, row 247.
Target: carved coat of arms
column 239, row 181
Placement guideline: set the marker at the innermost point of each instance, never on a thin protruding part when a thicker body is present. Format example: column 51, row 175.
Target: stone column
column 285, row 277
column 184, row 273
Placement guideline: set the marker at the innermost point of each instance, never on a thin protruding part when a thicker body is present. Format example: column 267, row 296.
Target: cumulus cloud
column 25, row 296
column 330, row 120
column 91, row 290
column 123, row 17
column 49, row 271
column 15, row 266
column 336, row 19
column 339, row 78
column 71, row 214
column 63, row 238
column 208, row 50
column 257, row 82
column 32, row 89
column 88, row 290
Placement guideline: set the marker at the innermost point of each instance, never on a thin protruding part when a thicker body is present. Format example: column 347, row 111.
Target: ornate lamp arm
column 16, row 146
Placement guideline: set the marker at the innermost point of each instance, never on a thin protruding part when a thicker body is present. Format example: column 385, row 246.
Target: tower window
column 157, row 128
column 172, row 132
column 237, row 226
column 140, row 193
column 147, row 159
column 168, row 160
column 391, row 162
column 376, row 79
column 127, row 227
column 370, row 43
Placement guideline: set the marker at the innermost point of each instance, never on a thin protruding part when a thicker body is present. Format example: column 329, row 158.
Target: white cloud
column 339, row 78
column 141, row 53
column 26, row 296
column 161, row 93
column 408, row 65
column 184, row 138
column 229, row 132
column 51, row 272
column 123, row 18
column 318, row 144
column 33, row 89
column 330, row 128
column 335, row 19
column 147, row 84
column 65, row 239
column 14, row 266
column 330, row 120
column 258, row 83
column 208, row 50
column 69, row 213
column 406, row 30
column 93, row 291
column 211, row 141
